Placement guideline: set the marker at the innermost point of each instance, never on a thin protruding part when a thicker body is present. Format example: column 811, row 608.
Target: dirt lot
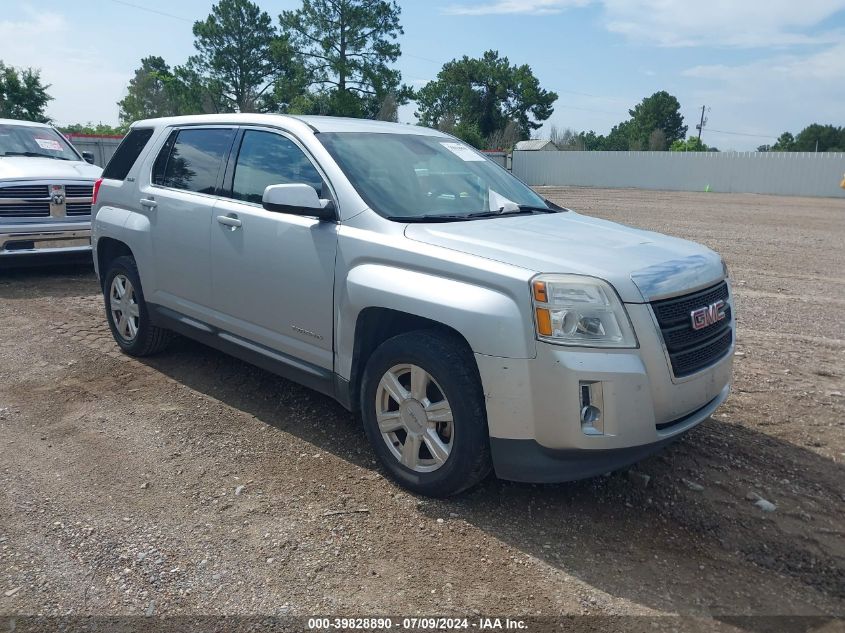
column 192, row 483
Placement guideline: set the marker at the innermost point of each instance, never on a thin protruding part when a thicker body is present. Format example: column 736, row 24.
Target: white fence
column 103, row 147
column 782, row 173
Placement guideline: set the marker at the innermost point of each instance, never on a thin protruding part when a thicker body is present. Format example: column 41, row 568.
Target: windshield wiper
column 521, row 209
column 524, row 209
column 431, row 217
column 32, row 154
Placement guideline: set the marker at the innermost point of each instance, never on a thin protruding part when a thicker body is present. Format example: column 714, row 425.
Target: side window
column 192, row 159
column 127, row 153
column 270, row 159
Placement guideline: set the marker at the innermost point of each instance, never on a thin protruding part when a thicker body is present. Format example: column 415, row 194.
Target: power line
column 148, row 10
column 569, row 107
column 742, row 133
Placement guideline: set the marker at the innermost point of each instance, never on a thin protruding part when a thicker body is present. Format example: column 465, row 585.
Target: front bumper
column 530, row 461
column 534, row 405
column 43, row 239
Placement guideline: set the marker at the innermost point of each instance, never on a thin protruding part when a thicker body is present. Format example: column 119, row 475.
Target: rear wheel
column 423, row 411
column 126, row 311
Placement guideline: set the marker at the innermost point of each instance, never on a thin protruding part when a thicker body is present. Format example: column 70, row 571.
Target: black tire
column 451, row 364
column 149, row 339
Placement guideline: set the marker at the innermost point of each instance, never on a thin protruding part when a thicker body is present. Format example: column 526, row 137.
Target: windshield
column 27, row 140
column 410, row 176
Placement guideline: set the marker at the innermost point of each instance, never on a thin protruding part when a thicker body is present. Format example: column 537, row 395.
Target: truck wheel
column 423, row 410
column 126, row 311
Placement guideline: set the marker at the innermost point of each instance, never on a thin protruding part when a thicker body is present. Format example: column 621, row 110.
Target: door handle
column 149, row 203
column 230, row 221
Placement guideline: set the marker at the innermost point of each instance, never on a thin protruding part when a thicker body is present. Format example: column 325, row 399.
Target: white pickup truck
column 45, row 192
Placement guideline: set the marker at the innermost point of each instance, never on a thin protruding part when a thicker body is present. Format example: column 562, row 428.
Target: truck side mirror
column 297, row 199
column 88, row 157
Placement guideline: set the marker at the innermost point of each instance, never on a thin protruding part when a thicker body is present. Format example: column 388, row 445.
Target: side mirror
column 89, row 157
column 297, row 199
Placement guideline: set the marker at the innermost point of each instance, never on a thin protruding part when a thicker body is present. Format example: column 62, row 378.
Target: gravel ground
column 192, row 483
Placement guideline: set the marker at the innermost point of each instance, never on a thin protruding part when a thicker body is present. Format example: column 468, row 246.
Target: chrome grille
column 78, row 208
column 23, row 191
column 35, row 200
column 25, row 209
column 79, row 191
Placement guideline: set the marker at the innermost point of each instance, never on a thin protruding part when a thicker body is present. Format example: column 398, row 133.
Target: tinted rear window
column 195, row 159
column 127, row 153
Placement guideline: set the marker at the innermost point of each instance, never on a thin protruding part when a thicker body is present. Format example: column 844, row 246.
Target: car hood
column 32, row 167
column 641, row 265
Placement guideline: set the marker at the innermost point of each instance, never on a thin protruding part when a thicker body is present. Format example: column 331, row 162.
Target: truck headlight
column 579, row 310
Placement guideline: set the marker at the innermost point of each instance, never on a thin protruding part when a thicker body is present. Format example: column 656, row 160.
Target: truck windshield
column 411, row 177
column 28, row 140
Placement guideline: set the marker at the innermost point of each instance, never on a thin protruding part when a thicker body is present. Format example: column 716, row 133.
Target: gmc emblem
column 708, row 315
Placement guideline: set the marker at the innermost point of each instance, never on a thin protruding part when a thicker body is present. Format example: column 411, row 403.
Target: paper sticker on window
column 463, row 152
column 49, row 143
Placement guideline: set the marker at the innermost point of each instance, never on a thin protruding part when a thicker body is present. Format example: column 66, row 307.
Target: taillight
column 96, row 191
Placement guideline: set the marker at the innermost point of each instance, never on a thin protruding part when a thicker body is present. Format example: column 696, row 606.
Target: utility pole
column 701, row 123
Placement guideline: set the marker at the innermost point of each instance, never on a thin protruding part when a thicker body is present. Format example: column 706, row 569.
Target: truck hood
column 641, row 265
column 32, row 167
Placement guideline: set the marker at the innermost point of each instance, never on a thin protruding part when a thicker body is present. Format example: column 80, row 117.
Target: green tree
column 822, row 138
column 158, row 91
column 96, row 129
column 22, row 95
column 660, row 111
column 239, row 51
column 591, row 141
column 785, row 143
column 488, row 92
column 346, row 47
column 692, row 144
column 150, row 93
column 619, row 139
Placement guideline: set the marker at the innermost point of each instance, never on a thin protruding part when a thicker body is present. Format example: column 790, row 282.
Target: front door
column 273, row 273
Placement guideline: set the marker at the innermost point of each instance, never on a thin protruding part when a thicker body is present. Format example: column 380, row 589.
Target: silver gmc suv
column 471, row 324
column 45, row 192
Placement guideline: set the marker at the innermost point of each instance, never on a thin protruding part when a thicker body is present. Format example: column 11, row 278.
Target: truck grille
column 693, row 350
column 79, row 191
column 34, row 200
column 23, row 191
column 25, row 210
column 78, row 208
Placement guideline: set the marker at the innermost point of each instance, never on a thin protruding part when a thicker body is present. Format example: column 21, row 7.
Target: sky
column 761, row 67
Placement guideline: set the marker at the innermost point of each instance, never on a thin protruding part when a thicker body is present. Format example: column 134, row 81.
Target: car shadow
column 679, row 532
column 47, row 277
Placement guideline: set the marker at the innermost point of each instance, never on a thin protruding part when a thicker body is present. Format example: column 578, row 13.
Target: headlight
column 578, row 310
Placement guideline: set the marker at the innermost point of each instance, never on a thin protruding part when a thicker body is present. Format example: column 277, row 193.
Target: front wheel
column 423, row 411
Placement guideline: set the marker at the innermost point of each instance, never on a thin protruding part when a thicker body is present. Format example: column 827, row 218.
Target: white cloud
column 81, row 84
column 746, row 23
column 731, row 23
column 769, row 96
column 530, row 7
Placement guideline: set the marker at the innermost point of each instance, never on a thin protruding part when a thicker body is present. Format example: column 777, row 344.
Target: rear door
column 273, row 273
column 186, row 180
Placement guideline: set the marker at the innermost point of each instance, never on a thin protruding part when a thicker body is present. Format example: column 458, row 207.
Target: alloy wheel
column 414, row 418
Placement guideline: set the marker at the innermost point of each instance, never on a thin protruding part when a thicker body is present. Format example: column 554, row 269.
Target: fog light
column 592, row 422
column 590, row 415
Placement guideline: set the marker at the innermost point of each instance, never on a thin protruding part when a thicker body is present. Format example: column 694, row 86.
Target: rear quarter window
column 127, row 153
